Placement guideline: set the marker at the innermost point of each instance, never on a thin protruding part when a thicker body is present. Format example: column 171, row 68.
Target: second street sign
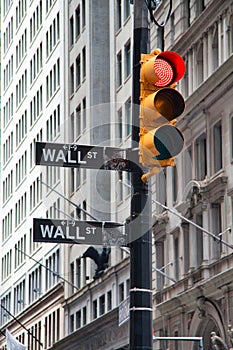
column 75, row 156
column 82, row 232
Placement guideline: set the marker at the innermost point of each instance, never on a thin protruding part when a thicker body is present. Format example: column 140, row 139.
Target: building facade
column 67, row 77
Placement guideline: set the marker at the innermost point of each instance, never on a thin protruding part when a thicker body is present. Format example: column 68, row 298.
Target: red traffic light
column 164, row 69
column 169, row 67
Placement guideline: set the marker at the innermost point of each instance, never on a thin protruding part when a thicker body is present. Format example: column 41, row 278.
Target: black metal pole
column 140, row 228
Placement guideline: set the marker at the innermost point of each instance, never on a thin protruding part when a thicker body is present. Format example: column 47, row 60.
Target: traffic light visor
column 169, row 67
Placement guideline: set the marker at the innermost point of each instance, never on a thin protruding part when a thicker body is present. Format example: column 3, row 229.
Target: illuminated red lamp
column 169, row 67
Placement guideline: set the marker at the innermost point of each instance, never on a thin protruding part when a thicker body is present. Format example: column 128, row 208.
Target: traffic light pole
column 141, row 247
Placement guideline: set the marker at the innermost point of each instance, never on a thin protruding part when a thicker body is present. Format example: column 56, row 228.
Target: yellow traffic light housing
column 160, row 105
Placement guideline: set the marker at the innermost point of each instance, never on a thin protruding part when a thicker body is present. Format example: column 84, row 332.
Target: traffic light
column 160, row 105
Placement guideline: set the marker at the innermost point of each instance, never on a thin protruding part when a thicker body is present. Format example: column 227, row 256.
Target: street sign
column 81, row 156
column 81, row 232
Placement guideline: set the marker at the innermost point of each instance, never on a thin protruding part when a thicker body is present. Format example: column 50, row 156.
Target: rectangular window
column 78, row 273
column 159, row 249
column 84, row 315
column 174, row 183
column 119, row 69
column 78, row 319
column 83, row 13
column 78, row 71
column 118, row 14
column 199, row 240
column 217, row 134
column 71, row 323
column 72, row 31
column 126, row 9
column 72, row 79
column 201, row 158
column 128, row 118
column 119, row 125
column 121, row 292
column 94, row 309
column 109, row 300
column 78, row 121
column 102, row 304
column 127, row 60
column 185, row 227
column 77, row 22
column 84, row 63
column 176, row 257
column 216, row 229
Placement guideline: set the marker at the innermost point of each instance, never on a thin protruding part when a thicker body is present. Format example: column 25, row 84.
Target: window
column 6, row 265
column 53, row 81
column 19, row 297
column 78, row 121
column 71, row 323
column 176, row 257
column 84, row 315
column 35, row 21
column 53, row 124
column 72, row 277
column 118, row 14
column 52, row 328
column 20, row 210
column 128, row 117
column 102, row 304
column 216, row 229
column 119, row 69
column 21, row 89
column 83, row 13
column 217, row 146
column 215, row 53
column 185, row 227
column 72, row 31
column 174, row 183
column 78, row 71
column 121, row 292
column 159, row 248
column 200, row 75
column 53, row 35
column 119, row 125
column 6, row 303
column 52, row 270
column 21, row 128
column 201, row 159
column 161, row 186
column 84, row 63
column 77, row 22
column 126, row 9
column 78, row 319
column 35, row 284
column 127, row 60
column 7, row 225
column 199, row 239
column 72, row 79
column 78, row 273
column 36, row 106
column 94, row 309
column 109, row 300
column 36, row 64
